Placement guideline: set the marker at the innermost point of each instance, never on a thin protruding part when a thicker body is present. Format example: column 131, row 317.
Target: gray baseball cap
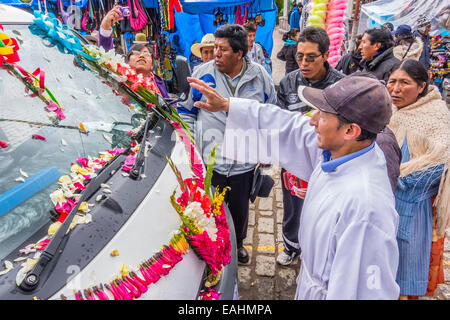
column 361, row 100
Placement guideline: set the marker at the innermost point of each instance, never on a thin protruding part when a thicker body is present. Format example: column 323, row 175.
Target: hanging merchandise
column 259, row 20
column 218, row 17
column 128, row 38
column 250, row 18
column 102, row 11
column 173, row 4
column 238, row 18
column 317, row 13
column 89, row 22
column 440, row 62
column 335, row 29
column 162, row 14
column 138, row 18
column 63, row 16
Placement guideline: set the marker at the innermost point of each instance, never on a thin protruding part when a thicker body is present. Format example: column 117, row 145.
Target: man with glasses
column 314, row 71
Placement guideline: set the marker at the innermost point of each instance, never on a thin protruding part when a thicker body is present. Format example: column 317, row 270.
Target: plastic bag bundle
column 335, row 28
column 317, row 13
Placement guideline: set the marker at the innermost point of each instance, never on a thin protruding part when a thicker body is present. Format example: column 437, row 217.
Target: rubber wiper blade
column 136, row 170
column 33, row 278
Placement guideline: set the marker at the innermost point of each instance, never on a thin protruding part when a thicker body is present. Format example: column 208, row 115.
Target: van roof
column 11, row 15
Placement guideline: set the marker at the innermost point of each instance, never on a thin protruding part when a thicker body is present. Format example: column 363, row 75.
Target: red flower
column 3, row 144
column 79, row 186
column 183, row 200
column 38, row 137
column 83, row 161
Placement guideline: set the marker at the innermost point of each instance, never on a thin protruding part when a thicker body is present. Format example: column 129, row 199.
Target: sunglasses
column 307, row 58
column 145, row 53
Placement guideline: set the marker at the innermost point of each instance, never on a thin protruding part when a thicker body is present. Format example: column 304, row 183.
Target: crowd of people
column 364, row 150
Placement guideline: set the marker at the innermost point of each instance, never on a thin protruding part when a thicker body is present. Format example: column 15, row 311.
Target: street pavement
column 262, row 278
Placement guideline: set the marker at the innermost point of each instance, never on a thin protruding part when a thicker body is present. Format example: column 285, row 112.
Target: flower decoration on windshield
column 68, row 194
column 34, row 81
column 8, row 48
column 49, row 27
column 209, row 294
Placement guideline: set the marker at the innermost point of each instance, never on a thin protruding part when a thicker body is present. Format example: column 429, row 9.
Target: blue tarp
column 207, row 6
column 18, row 3
column 197, row 19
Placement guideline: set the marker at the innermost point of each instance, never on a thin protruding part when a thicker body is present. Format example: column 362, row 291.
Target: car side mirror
column 182, row 71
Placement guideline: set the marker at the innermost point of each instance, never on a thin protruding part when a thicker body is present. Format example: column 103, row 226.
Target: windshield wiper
column 42, row 124
column 136, row 170
column 34, row 277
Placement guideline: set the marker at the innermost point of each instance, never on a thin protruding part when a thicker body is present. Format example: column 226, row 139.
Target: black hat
column 261, row 186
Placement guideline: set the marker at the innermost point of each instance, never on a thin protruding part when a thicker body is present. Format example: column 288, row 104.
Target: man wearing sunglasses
column 314, row 71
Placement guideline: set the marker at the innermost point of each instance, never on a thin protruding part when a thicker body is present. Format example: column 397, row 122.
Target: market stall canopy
column 207, row 6
column 198, row 18
column 402, row 12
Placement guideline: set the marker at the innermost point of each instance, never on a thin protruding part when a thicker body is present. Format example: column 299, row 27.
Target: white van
column 131, row 218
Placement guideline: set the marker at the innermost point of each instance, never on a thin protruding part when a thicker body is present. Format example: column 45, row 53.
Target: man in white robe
column 349, row 223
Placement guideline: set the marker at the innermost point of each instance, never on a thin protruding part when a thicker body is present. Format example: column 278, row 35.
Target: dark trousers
column 237, row 199
column 291, row 218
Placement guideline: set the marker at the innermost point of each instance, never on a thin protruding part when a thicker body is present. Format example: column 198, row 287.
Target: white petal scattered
column 8, row 265
column 20, row 259
column 26, row 266
column 21, row 179
column 63, row 142
column 107, row 191
column 104, row 185
column 99, row 198
column 23, row 173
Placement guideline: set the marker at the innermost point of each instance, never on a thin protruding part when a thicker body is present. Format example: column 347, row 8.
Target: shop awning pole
column 355, row 25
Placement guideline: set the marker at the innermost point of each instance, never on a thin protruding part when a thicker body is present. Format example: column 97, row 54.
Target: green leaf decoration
column 210, row 162
column 177, row 174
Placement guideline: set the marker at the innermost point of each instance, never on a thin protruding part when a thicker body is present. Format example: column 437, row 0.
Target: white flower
column 57, row 197
column 195, row 212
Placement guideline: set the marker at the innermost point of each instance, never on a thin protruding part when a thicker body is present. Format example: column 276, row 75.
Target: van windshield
column 30, row 166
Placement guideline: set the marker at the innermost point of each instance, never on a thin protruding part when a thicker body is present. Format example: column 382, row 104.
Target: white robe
column 348, row 224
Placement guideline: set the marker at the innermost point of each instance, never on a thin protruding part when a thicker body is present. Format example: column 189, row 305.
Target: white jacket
column 348, row 224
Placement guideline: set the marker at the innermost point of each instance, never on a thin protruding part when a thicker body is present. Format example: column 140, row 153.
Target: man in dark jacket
column 350, row 62
column 314, row 71
column 377, row 47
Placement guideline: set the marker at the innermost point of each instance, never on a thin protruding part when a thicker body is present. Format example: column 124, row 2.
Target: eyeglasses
column 307, row 58
column 145, row 53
